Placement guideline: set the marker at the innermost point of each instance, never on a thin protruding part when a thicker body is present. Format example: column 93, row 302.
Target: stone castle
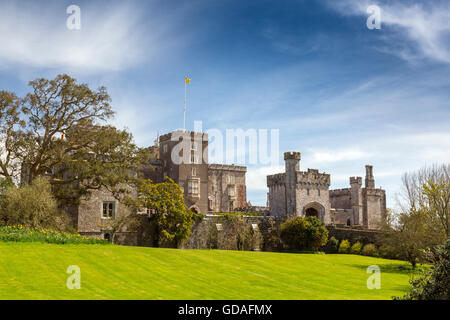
column 306, row 193
column 212, row 188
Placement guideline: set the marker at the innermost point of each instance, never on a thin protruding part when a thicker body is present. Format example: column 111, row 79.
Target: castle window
column 307, row 192
column 194, row 172
column 230, row 179
column 195, row 159
column 349, row 223
column 318, row 192
column 231, row 190
column 193, row 187
column 108, row 209
column 210, row 204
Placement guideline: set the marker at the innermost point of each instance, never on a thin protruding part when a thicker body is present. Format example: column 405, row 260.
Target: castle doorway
column 194, row 209
column 314, row 209
column 311, row 212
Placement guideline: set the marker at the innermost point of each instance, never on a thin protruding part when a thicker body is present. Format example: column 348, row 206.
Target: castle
column 210, row 188
column 306, row 193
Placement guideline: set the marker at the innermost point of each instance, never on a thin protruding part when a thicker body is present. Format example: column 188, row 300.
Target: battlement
column 374, row 192
column 174, row 135
column 292, row 155
column 356, row 180
column 312, row 176
column 276, row 179
column 226, row 167
column 339, row 192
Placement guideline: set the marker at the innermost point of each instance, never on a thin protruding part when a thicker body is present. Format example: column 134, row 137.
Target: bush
column 370, row 250
column 332, row 245
column 307, row 234
column 31, row 205
column 356, row 248
column 434, row 283
column 344, row 247
column 270, row 231
column 21, row 233
column 388, row 252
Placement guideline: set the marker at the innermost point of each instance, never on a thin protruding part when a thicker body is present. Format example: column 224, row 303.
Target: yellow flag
column 187, row 80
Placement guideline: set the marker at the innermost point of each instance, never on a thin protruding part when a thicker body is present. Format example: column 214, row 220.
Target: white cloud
column 415, row 31
column 257, row 177
column 321, row 156
column 112, row 37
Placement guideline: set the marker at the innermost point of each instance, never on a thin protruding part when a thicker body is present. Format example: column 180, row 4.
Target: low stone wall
column 354, row 235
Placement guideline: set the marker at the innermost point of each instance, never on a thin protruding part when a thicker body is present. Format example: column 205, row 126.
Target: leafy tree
column 437, row 206
column 31, row 205
column 428, row 190
column 60, row 130
column 433, row 283
column 304, row 233
column 411, row 236
column 166, row 206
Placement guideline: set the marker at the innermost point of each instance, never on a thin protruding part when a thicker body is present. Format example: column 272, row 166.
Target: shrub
column 388, row 252
column 237, row 234
column 356, row 248
column 433, row 283
column 31, row 205
column 304, row 233
column 270, row 230
column 369, row 250
column 21, row 233
column 344, row 247
column 332, row 245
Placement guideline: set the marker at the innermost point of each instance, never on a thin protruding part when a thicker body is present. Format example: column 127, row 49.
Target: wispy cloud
column 113, row 36
column 415, row 30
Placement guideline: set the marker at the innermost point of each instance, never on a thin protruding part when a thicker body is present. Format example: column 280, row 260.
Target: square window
column 193, row 187
column 108, row 209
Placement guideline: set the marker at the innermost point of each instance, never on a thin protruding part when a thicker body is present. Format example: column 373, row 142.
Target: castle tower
column 370, row 180
column 292, row 166
column 356, row 199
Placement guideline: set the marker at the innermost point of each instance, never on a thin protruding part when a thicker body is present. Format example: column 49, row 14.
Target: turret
column 356, row 199
column 292, row 165
column 370, row 180
column 292, row 161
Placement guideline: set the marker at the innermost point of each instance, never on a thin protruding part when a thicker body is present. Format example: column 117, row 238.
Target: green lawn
column 38, row 271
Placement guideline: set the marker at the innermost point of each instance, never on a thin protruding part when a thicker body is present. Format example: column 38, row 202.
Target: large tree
column 167, row 210
column 60, row 129
column 428, row 190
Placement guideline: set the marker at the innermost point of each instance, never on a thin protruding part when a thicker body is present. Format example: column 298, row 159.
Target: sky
column 340, row 93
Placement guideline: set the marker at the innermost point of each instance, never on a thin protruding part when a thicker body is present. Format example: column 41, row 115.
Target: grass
column 38, row 271
column 21, row 233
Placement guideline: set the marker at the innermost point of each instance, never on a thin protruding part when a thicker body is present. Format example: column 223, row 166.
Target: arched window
column 349, row 223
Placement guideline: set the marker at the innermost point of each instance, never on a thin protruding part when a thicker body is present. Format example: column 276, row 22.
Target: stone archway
column 194, row 209
column 314, row 209
column 311, row 212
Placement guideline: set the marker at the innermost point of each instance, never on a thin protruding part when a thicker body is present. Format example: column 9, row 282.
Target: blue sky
column 342, row 94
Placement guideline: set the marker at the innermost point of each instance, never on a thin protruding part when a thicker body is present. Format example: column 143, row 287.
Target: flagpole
column 184, row 116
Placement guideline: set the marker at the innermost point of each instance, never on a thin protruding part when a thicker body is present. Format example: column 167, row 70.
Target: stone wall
column 353, row 235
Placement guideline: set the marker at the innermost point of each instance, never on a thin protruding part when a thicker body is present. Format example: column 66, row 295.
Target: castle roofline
column 181, row 132
column 226, row 167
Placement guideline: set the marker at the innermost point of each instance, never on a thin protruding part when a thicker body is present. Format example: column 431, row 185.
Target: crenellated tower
column 292, row 166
